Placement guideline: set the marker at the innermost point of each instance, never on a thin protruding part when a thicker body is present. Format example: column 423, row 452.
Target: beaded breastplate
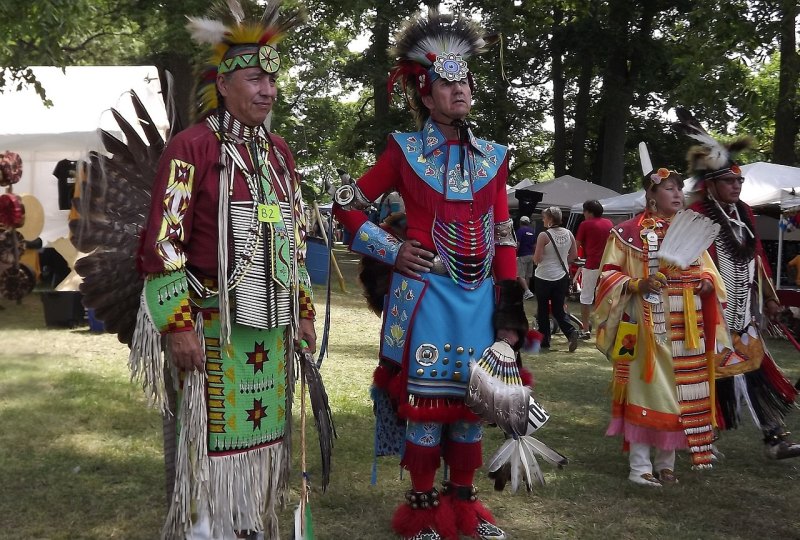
column 466, row 248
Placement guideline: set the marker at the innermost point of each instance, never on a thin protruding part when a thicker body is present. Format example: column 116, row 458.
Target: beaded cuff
column 167, row 297
column 373, row 241
column 504, row 234
column 307, row 310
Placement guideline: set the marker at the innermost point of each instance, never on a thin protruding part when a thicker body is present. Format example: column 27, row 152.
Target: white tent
column 81, row 97
column 766, row 184
column 614, row 208
column 564, row 191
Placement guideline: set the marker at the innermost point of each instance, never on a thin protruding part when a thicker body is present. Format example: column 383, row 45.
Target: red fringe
column 468, row 515
column 777, row 379
column 407, row 521
column 382, row 376
column 527, row 377
column 720, row 418
column 459, row 455
column 421, row 458
column 397, row 387
column 440, row 411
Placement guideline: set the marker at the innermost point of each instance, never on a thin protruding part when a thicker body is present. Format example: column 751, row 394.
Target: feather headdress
column 433, row 47
column 238, row 41
column 709, row 159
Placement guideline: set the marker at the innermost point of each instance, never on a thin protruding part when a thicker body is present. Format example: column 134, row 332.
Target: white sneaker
column 527, row 295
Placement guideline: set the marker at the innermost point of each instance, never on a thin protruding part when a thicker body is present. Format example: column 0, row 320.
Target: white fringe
column 146, row 361
column 740, row 387
column 191, row 458
column 225, row 184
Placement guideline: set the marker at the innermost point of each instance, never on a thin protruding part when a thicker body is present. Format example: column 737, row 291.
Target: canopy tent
column 564, row 191
column 767, row 185
column 81, row 98
column 623, row 205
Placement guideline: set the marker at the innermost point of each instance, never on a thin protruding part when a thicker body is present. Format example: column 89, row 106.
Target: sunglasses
column 732, row 180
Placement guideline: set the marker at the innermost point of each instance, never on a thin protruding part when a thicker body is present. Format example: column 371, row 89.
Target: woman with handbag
column 658, row 324
column 555, row 249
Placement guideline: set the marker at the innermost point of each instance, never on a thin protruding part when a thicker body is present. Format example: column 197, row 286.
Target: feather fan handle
column 688, row 235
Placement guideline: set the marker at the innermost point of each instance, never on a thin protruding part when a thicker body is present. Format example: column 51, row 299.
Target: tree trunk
column 182, row 91
column 583, row 99
column 787, row 123
column 582, row 102
column 617, row 95
column 557, row 74
column 625, row 62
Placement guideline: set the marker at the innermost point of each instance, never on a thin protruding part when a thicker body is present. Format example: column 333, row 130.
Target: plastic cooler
column 317, row 255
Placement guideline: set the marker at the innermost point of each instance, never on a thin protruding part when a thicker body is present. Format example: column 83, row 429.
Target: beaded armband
column 306, row 301
column 350, row 197
column 504, row 234
column 375, row 242
column 167, row 297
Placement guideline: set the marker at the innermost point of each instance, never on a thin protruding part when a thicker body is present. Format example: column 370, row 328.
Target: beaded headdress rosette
column 437, row 46
column 710, row 159
column 237, row 41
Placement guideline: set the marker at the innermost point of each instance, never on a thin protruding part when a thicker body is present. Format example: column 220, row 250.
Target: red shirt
column 592, row 236
column 392, row 172
column 196, row 234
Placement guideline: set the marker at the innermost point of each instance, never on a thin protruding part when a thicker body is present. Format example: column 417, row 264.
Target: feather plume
column 644, row 159
column 688, row 235
column 236, row 10
column 206, row 31
column 515, row 461
column 710, row 154
column 438, row 33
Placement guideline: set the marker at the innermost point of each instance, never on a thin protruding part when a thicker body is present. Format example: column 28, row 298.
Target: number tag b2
column 269, row 213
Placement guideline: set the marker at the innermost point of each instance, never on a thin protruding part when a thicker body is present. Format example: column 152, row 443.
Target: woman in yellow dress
column 658, row 325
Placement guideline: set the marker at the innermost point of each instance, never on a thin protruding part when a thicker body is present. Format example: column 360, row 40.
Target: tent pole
column 780, row 254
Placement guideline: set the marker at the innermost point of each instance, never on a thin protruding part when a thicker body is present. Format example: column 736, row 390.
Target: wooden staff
column 330, row 245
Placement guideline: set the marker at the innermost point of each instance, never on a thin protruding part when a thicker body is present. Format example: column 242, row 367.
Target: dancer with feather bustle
column 441, row 310
column 657, row 323
column 226, row 285
column 746, row 372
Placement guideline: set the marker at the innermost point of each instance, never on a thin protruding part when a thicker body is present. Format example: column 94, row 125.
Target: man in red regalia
column 452, row 291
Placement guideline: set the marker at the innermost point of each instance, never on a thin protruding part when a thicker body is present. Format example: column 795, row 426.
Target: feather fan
column 112, row 211
column 688, row 235
column 323, row 417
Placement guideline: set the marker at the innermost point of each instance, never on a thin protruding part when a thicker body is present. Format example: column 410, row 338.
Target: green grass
column 80, row 453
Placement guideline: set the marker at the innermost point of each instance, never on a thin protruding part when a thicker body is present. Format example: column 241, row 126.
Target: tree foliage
column 572, row 86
